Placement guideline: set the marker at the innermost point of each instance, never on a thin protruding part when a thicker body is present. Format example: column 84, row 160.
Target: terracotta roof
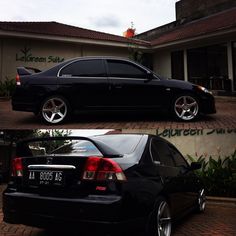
column 211, row 24
column 58, row 29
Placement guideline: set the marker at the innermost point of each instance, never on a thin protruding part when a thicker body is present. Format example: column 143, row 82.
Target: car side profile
column 116, row 181
column 106, row 83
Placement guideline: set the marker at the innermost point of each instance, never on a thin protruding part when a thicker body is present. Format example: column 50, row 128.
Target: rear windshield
column 122, row 144
column 58, row 147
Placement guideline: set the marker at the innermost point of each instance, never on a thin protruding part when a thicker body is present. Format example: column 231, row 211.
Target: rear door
column 189, row 179
column 85, row 83
column 172, row 180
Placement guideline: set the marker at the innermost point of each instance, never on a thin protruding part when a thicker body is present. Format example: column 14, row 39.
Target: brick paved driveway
column 225, row 118
column 216, row 221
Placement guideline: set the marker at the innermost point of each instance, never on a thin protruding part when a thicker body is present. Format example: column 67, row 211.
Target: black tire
column 185, row 107
column 159, row 221
column 54, row 110
column 201, row 201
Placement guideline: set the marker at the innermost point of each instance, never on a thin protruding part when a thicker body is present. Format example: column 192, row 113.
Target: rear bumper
column 42, row 211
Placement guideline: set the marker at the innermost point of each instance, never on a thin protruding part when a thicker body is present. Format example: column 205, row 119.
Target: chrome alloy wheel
column 201, row 200
column 186, row 107
column 54, row 110
column 163, row 220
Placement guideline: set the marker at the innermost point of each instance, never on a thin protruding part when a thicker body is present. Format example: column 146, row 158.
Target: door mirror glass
column 195, row 165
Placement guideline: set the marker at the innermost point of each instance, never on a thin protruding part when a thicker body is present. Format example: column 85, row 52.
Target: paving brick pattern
column 225, row 118
column 217, row 220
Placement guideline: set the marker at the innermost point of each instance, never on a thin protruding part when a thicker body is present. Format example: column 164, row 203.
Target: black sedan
column 117, row 180
column 106, row 83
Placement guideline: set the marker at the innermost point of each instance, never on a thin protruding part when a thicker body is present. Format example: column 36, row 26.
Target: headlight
column 204, row 89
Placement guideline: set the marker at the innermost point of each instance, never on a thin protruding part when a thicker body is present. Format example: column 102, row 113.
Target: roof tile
column 211, row 24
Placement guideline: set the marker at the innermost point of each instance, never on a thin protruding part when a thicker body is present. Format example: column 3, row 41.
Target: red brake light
column 17, row 167
column 91, row 167
column 18, row 80
column 102, row 169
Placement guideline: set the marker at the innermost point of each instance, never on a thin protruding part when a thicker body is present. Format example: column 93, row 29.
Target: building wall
column 91, row 50
column 162, row 63
column 45, row 54
column 197, row 142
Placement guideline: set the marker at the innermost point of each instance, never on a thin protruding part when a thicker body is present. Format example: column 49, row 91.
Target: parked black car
column 106, row 83
column 112, row 180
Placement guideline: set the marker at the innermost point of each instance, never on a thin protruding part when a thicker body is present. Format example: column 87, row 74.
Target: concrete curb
column 223, row 201
column 225, row 98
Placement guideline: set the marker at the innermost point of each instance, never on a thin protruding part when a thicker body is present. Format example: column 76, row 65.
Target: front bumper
column 43, row 211
column 208, row 104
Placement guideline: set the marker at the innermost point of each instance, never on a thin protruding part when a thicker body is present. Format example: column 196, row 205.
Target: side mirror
column 195, row 165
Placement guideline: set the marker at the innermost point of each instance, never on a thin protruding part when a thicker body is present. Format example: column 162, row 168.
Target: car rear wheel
column 160, row 220
column 54, row 110
column 201, row 204
column 186, row 107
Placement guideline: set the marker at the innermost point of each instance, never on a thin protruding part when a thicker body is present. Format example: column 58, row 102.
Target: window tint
column 78, row 148
column 179, row 160
column 123, row 144
column 161, row 152
column 88, row 68
column 125, row 70
column 65, row 147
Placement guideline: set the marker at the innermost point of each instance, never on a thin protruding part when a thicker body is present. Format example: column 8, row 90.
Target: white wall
column 206, row 142
column 162, row 63
column 12, row 50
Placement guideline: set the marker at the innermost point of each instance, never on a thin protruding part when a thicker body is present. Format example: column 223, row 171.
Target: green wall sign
column 25, row 55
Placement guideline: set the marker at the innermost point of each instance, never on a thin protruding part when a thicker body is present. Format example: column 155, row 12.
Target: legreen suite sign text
column 25, row 55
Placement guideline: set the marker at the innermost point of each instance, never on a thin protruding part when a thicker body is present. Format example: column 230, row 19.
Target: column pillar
column 230, row 63
column 185, row 65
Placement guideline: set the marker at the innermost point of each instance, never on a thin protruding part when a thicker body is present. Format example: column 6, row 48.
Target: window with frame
column 160, row 152
column 125, row 69
column 178, row 158
column 85, row 68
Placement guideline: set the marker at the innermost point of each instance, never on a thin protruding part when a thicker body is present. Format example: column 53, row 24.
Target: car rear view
column 71, row 180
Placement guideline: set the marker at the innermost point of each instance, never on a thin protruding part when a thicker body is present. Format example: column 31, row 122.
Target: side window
column 85, row 68
column 178, row 158
column 161, row 153
column 125, row 69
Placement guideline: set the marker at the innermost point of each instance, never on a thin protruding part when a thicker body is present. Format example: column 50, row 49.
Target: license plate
column 46, row 177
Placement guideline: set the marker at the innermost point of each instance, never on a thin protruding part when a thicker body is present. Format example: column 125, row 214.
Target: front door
column 130, row 86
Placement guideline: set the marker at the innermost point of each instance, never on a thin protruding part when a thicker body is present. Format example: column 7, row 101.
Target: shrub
column 218, row 176
column 7, row 87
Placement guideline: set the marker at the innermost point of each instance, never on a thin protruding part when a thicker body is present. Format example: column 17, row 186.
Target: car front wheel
column 186, row 107
column 54, row 110
column 201, row 202
column 160, row 220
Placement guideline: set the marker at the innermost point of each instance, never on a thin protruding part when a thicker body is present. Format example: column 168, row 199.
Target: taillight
column 91, row 168
column 18, row 80
column 17, row 167
column 102, row 169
